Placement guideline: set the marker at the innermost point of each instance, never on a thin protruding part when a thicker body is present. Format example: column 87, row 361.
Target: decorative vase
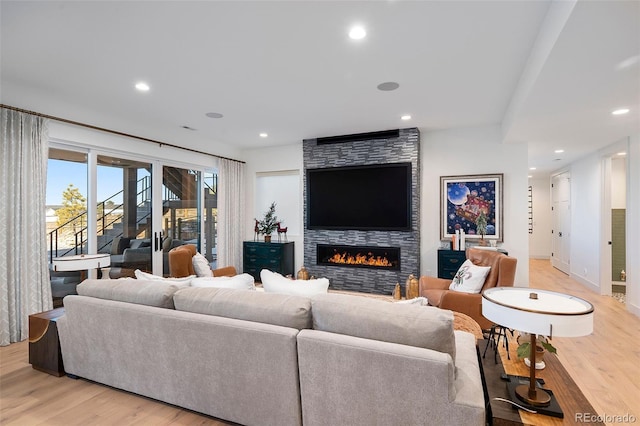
column 397, row 294
column 302, row 274
column 412, row 289
column 267, row 238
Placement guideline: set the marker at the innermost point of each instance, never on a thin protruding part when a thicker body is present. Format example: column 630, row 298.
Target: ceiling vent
column 385, row 134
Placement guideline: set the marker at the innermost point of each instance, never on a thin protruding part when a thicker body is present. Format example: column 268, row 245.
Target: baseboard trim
column 540, row 257
column 582, row 280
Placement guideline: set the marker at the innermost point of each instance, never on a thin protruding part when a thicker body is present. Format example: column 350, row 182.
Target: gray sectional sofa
column 269, row 359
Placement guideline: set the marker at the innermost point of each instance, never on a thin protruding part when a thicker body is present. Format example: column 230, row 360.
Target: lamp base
column 540, row 398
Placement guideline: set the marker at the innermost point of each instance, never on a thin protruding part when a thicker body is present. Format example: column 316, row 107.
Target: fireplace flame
column 360, row 259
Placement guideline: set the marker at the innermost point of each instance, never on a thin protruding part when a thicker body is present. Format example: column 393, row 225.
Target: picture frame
column 461, row 200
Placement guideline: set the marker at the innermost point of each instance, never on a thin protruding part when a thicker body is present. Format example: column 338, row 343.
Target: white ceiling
column 548, row 72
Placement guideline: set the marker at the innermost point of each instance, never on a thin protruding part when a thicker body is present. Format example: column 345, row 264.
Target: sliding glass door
column 181, row 210
column 124, row 214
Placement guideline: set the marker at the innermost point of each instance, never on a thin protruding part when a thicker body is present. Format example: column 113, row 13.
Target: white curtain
column 230, row 213
column 24, row 274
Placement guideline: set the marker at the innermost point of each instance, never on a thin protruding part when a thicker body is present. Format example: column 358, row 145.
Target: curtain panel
column 230, row 213
column 24, row 275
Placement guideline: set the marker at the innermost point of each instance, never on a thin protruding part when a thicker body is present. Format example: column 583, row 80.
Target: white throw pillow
column 239, row 282
column 420, row 301
column 182, row 282
column 272, row 282
column 469, row 278
column 201, row 265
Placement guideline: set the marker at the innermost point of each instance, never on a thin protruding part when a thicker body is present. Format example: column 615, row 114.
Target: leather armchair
column 181, row 263
column 502, row 274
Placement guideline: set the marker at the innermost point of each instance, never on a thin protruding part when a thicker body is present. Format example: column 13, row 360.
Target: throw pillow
column 181, row 282
column 273, row 282
column 469, row 278
column 420, row 301
column 240, row 282
column 201, row 265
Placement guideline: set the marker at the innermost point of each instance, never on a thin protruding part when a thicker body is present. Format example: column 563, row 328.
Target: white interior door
column 561, row 222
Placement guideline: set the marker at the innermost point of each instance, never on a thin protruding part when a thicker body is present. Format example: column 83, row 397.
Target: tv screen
column 373, row 197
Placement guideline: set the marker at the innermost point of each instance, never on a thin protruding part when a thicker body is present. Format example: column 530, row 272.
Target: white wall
column 586, row 177
column 272, row 161
column 474, row 151
column 587, row 235
column 540, row 239
column 92, row 139
column 633, row 225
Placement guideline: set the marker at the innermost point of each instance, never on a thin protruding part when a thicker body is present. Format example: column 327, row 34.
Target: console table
column 276, row 257
column 571, row 399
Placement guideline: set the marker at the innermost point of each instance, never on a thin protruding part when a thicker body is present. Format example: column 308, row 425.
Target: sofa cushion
column 239, row 282
column 420, row 326
column 273, row 282
column 276, row 309
column 142, row 292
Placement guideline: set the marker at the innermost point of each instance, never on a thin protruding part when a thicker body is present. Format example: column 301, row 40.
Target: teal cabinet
column 276, row 257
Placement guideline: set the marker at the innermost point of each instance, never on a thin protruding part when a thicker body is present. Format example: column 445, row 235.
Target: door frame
column 554, row 226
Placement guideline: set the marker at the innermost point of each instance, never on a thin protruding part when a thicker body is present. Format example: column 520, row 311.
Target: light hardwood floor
column 605, row 365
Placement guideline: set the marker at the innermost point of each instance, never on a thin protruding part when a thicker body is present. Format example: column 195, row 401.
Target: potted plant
column 269, row 223
column 481, row 226
column 542, row 344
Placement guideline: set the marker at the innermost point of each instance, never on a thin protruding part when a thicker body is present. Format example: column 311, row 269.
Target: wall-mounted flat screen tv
column 371, row 197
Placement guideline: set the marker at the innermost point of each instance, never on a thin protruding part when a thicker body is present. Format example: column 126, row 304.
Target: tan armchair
column 181, row 263
column 502, row 274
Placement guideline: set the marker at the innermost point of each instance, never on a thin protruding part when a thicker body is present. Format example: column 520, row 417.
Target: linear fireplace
column 359, row 256
column 399, row 244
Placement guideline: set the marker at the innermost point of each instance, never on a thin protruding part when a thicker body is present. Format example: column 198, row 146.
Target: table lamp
column 82, row 262
column 537, row 311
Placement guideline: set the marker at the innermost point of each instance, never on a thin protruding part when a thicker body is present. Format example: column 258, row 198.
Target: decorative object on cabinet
column 269, row 223
column 463, row 198
column 281, row 231
column 276, row 257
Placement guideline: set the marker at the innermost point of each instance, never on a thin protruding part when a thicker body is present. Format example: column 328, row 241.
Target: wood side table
column 44, row 345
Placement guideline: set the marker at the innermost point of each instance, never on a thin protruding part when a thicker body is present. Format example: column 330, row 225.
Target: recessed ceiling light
column 559, row 151
column 532, row 168
column 357, row 33
column 405, row 117
column 142, row 86
column 529, row 176
column 263, row 135
column 622, row 154
column 620, row 111
column 388, row 86
column 214, row 115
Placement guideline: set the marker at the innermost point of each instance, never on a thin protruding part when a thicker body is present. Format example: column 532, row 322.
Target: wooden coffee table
column 574, row 404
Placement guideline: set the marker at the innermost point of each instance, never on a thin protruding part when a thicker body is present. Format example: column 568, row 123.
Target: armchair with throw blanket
column 501, row 274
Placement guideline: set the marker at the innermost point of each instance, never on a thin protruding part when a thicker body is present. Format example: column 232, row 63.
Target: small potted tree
column 269, row 223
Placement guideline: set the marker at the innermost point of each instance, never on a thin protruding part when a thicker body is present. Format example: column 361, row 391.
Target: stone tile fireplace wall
column 404, row 148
